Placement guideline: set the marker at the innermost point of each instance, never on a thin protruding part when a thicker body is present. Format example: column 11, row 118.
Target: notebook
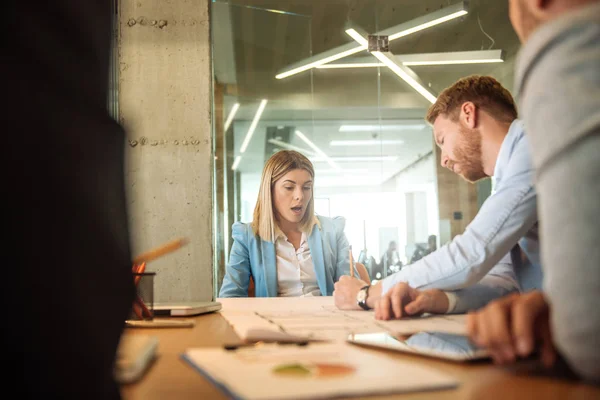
column 180, row 309
column 311, row 371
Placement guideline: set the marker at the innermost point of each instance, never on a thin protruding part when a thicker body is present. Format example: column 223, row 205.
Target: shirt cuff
column 452, row 299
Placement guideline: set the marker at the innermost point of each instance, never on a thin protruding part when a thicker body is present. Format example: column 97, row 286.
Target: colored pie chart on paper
column 314, row 370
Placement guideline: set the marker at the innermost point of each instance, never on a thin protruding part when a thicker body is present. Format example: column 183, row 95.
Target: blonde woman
column 287, row 250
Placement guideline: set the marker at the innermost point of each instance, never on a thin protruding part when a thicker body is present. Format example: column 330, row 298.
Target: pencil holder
column 143, row 304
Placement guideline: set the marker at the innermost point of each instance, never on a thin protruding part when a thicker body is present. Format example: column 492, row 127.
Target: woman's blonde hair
column 277, row 166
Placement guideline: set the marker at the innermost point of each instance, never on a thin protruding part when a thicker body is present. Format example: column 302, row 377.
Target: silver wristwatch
column 361, row 297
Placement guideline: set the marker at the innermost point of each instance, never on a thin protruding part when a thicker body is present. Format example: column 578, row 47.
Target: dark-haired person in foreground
column 67, row 285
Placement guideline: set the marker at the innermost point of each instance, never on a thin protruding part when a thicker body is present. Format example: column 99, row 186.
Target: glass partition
column 348, row 85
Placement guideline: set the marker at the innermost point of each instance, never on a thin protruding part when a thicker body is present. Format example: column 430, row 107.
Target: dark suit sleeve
column 67, row 265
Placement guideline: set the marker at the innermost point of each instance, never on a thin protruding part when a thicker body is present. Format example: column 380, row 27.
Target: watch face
column 362, row 294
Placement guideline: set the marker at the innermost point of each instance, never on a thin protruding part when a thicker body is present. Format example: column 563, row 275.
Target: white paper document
column 313, row 371
column 317, row 318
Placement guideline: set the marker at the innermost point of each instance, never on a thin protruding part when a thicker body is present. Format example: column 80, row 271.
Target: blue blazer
column 252, row 256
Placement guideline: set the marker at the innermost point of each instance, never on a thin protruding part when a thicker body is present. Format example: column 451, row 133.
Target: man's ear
column 539, row 9
column 468, row 114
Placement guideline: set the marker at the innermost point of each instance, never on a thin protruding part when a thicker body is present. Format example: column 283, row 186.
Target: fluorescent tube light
column 442, row 58
column 406, row 75
column 395, row 32
column 369, row 142
column 358, row 38
column 232, row 113
column 379, row 128
column 426, row 25
column 291, row 147
column 321, row 59
column 357, row 158
column 453, row 58
column 452, row 62
column 350, row 65
column 317, row 150
column 236, row 162
column 344, row 171
column 259, row 112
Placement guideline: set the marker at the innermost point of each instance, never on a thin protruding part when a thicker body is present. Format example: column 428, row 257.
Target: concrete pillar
column 165, row 106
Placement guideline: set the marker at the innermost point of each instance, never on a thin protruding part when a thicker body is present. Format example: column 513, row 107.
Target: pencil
column 138, row 269
column 351, row 262
column 160, row 251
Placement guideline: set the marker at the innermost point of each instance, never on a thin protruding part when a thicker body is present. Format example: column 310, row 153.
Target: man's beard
column 468, row 155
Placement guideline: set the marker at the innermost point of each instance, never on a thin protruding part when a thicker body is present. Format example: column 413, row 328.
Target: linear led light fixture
column 236, row 163
column 445, row 58
column 351, row 65
column 252, row 128
column 345, row 171
column 395, row 32
column 317, row 150
column 291, row 147
column 405, row 73
column 357, row 158
column 427, row 21
column 380, row 128
column 232, row 113
column 451, row 58
column 367, row 142
column 322, row 58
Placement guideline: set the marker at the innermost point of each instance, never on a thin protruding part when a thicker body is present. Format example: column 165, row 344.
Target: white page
column 317, row 318
column 249, row 373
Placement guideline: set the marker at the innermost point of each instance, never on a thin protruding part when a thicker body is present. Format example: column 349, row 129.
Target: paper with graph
column 317, row 318
column 317, row 370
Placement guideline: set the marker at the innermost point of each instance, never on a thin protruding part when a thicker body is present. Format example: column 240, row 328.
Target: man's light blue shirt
column 481, row 253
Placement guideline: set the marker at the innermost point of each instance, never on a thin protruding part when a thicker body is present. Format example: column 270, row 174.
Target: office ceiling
column 254, row 39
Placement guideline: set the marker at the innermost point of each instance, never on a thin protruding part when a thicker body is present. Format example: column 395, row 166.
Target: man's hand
column 403, row 300
column 514, row 326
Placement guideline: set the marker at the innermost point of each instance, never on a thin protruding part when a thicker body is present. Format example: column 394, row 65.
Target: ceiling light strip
column 354, row 159
column 426, row 25
column 367, row 142
column 450, row 62
column 291, row 147
column 351, row 48
column 395, row 32
column 441, row 58
column 454, row 57
column 381, row 128
column 351, row 65
column 252, row 128
column 236, row 163
column 405, row 73
column 232, row 113
column 317, row 150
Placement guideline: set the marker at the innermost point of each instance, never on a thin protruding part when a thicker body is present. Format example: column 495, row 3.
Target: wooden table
column 171, row 378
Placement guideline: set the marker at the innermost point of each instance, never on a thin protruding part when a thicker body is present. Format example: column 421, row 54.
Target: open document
column 313, row 371
column 317, row 319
